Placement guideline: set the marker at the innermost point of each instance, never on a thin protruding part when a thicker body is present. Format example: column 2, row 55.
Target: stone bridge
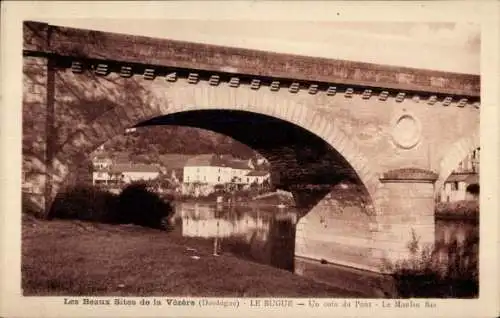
column 364, row 148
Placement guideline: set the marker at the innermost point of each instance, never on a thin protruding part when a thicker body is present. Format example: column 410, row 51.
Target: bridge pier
column 344, row 235
column 406, row 205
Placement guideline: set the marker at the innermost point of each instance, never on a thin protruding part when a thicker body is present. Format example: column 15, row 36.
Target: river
column 264, row 234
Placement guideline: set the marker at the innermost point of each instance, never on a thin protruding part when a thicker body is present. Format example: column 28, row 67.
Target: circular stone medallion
column 406, row 132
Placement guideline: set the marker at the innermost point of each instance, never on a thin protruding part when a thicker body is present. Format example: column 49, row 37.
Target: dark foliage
column 84, row 203
column 140, row 206
column 445, row 271
column 458, row 209
column 473, row 189
column 135, row 204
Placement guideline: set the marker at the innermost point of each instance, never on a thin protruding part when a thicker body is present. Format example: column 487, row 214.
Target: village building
column 239, row 170
column 455, row 187
column 101, row 161
column 117, row 174
column 466, row 177
column 208, row 169
column 203, row 173
column 136, row 172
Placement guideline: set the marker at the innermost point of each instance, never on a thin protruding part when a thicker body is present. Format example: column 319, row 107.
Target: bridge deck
column 42, row 38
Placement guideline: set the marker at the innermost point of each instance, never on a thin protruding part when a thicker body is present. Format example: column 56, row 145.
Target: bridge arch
column 178, row 98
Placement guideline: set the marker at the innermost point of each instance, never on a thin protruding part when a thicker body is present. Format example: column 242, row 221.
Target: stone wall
column 35, row 126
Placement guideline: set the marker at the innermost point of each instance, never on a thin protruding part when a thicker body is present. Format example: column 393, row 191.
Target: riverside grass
column 78, row 258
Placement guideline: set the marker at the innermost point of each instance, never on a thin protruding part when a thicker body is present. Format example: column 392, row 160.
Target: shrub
column 473, row 189
column 84, row 203
column 458, row 209
column 135, row 204
column 428, row 274
column 138, row 205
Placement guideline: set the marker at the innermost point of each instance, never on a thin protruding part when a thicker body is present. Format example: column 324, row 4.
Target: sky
column 453, row 47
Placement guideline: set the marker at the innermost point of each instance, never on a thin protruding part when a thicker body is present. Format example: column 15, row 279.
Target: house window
column 218, row 178
column 454, row 186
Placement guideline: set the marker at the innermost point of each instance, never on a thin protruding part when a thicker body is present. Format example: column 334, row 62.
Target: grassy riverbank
column 62, row 257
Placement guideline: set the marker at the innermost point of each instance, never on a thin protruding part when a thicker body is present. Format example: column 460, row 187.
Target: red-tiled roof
column 210, row 160
column 239, row 164
column 463, row 177
column 201, row 161
column 174, row 161
column 124, row 167
column 257, row 173
column 472, row 179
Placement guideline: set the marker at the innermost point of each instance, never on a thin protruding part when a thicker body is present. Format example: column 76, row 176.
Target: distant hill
column 172, row 145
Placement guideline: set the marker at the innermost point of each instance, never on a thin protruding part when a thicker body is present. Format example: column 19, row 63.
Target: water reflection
column 262, row 234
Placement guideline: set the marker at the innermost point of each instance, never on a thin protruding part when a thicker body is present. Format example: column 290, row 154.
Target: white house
column 466, row 174
column 136, row 172
column 207, row 169
column 124, row 173
column 239, row 169
column 203, row 172
column 455, row 187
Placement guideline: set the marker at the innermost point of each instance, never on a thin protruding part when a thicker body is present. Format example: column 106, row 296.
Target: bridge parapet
column 153, row 57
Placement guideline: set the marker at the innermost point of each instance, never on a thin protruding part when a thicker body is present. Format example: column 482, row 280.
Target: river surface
column 264, row 234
